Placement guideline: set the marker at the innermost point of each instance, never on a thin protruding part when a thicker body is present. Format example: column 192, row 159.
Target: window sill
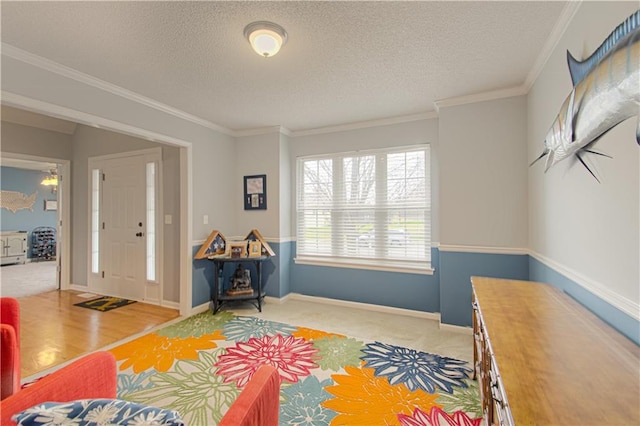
column 371, row 265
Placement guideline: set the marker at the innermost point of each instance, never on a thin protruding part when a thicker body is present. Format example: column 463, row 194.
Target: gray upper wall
column 19, row 139
column 483, row 174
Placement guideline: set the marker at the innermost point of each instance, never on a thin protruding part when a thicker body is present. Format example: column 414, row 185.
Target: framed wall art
column 51, row 204
column 255, row 192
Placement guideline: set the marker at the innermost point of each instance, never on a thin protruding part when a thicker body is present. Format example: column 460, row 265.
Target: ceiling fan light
column 266, row 38
column 50, row 181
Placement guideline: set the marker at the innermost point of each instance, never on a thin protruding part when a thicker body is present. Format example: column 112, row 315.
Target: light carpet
column 199, row 366
column 27, row 279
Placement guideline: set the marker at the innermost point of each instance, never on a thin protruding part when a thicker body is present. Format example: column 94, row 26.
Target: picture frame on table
column 237, row 249
column 255, row 249
column 255, row 192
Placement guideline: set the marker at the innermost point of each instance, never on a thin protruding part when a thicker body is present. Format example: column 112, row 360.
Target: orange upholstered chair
column 9, row 346
column 90, row 377
column 259, row 401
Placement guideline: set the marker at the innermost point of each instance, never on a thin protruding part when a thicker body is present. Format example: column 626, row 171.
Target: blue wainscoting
column 456, row 270
column 202, row 274
column 619, row 320
column 417, row 292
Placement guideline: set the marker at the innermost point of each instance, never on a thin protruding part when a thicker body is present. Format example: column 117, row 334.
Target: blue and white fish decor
column 606, row 92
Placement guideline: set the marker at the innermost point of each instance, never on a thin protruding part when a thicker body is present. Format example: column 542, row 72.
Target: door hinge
column 104, row 176
column 102, row 274
column 102, row 225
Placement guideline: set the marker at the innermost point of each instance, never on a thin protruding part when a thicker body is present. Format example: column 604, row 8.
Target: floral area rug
column 200, row 365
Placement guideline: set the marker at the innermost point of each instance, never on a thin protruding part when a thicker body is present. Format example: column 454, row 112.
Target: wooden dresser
column 542, row 358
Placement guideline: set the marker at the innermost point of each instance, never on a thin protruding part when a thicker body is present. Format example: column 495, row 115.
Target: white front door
column 123, row 211
column 122, row 228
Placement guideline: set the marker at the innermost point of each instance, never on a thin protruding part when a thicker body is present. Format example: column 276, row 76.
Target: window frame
column 415, row 266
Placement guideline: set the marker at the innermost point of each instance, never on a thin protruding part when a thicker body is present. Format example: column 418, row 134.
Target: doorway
column 177, row 162
column 45, row 266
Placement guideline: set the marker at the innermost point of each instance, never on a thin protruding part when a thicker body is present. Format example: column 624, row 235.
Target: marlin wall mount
column 606, row 92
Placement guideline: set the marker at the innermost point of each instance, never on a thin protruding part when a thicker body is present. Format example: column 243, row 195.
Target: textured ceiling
column 344, row 62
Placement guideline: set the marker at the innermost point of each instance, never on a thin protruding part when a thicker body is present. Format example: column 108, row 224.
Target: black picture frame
column 255, row 192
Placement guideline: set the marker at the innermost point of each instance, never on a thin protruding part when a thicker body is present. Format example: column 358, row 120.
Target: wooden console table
column 542, row 358
column 219, row 297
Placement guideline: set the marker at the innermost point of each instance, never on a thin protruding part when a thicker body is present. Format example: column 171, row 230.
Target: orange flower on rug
column 311, row 334
column 361, row 396
column 160, row 352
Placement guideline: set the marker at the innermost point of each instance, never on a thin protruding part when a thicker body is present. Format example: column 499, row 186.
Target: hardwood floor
column 54, row 331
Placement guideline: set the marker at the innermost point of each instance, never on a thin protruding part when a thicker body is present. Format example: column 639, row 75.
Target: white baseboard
column 170, row 304
column 200, row 308
column 82, row 288
column 384, row 309
column 277, row 300
column 366, row 306
column 456, row 329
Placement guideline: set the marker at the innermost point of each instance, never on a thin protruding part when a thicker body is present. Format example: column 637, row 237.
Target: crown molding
column 550, row 45
column 365, row 124
column 262, row 131
column 57, row 111
column 481, row 97
column 62, row 70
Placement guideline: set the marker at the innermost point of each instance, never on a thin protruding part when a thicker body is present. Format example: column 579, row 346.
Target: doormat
column 105, row 303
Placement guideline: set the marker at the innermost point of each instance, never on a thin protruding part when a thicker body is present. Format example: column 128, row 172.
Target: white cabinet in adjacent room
column 13, row 247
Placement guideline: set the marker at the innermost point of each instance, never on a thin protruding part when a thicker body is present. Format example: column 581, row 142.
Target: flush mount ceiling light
column 265, row 37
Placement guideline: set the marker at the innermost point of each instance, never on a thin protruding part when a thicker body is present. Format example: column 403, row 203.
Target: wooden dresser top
column 559, row 363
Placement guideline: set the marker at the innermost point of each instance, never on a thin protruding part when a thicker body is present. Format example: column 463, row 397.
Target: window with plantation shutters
column 369, row 208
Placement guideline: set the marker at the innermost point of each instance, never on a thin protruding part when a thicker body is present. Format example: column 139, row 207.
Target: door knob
column 139, row 234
